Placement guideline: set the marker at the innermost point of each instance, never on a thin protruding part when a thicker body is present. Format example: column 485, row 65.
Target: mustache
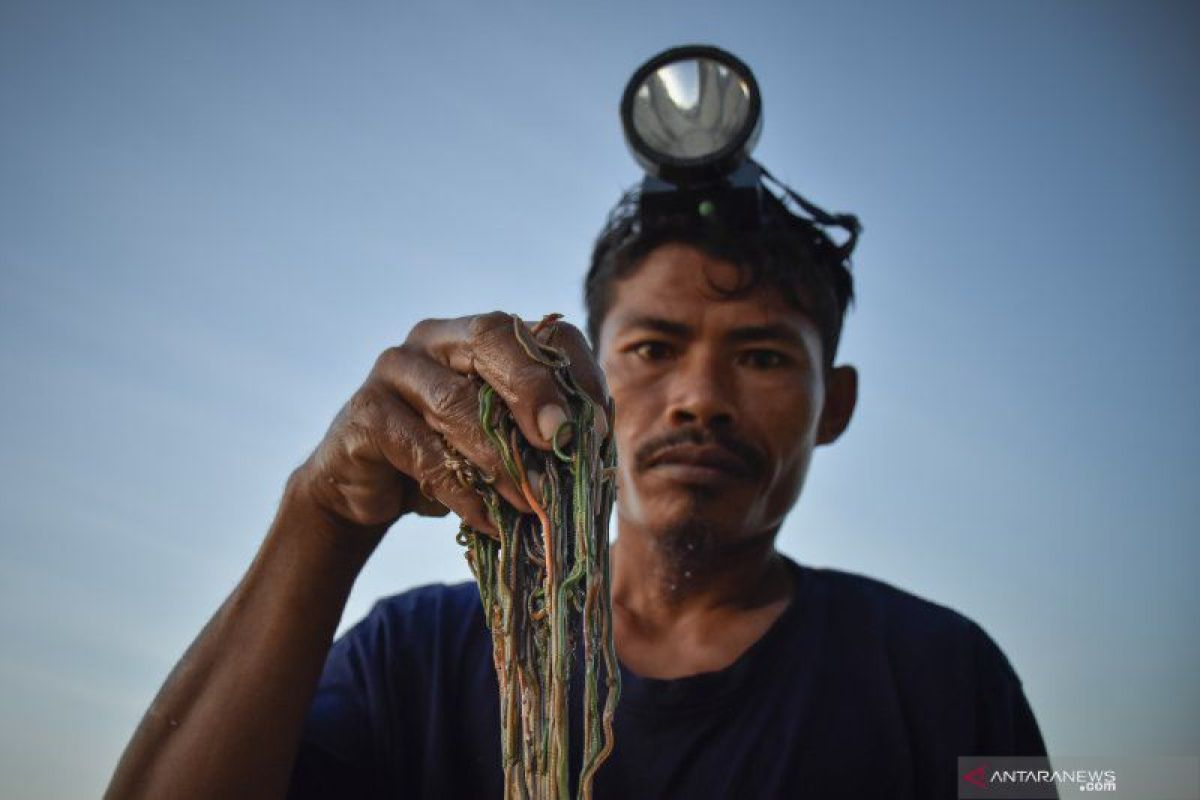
column 749, row 454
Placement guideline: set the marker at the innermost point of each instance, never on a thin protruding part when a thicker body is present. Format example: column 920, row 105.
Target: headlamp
column 692, row 116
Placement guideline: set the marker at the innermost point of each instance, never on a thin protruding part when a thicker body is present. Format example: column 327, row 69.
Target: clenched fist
column 392, row 448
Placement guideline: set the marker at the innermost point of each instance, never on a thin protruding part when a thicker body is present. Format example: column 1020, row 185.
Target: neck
column 668, row 575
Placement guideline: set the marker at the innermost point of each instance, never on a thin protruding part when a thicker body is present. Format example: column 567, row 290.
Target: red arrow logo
column 977, row 776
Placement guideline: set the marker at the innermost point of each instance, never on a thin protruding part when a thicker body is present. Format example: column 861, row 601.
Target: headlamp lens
column 692, row 114
column 692, row 109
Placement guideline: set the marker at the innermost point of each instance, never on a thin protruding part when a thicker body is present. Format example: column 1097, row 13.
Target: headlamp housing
column 692, row 116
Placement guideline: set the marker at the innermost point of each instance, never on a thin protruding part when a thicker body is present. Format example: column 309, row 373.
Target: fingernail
column 549, row 419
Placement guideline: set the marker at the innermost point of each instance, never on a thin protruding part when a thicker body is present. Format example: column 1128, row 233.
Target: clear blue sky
column 213, row 216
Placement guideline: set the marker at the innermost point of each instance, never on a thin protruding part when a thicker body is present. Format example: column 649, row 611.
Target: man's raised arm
column 227, row 721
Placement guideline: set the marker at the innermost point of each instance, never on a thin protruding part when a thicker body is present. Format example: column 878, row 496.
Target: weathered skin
column 226, row 723
column 696, row 578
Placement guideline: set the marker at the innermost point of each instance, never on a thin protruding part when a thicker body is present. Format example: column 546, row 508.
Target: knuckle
column 482, row 326
column 576, row 344
column 429, row 464
column 571, row 335
column 395, row 428
column 363, row 405
column 389, row 359
column 439, row 484
column 358, row 444
column 523, row 386
column 534, row 381
column 423, row 330
column 427, row 447
column 450, row 402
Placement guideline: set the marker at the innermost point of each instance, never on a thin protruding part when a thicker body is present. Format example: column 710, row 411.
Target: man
column 745, row 674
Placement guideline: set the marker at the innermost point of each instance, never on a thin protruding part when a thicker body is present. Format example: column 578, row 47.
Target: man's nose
column 701, row 393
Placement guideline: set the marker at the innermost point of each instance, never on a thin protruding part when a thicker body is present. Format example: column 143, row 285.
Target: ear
column 841, row 395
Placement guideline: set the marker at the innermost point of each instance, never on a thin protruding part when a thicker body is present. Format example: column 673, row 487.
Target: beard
column 696, row 530
column 688, row 542
column 694, row 545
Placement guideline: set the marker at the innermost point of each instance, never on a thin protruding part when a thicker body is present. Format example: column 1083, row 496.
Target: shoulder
column 403, row 649
column 390, row 680
column 917, row 633
column 432, row 601
column 945, row 677
column 447, row 615
column 410, row 634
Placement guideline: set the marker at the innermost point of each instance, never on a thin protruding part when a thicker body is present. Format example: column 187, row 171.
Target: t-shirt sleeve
column 343, row 732
column 406, row 705
column 1006, row 724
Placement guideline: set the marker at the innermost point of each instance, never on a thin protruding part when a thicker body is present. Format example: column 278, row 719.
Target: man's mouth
column 699, row 463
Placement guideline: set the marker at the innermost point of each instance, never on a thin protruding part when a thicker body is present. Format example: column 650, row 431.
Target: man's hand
column 392, row 448
column 227, row 722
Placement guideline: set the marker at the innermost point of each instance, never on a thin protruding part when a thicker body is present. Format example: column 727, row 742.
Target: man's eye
column 652, row 351
column 763, row 359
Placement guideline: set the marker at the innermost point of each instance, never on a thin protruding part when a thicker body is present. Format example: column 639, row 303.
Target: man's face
column 719, row 400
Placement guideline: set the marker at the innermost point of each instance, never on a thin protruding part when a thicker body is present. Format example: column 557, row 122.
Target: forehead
column 681, row 282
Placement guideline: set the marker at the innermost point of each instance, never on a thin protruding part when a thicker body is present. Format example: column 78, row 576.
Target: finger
column 414, row 449
column 424, row 507
column 449, row 404
column 487, row 346
column 584, row 367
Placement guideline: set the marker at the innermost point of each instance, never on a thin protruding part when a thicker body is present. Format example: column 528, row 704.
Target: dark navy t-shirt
column 858, row 690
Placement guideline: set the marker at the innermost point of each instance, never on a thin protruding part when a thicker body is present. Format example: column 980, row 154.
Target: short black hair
column 787, row 251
